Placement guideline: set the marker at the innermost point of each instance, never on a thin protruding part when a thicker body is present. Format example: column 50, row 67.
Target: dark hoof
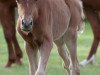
column 18, row 61
column 9, row 64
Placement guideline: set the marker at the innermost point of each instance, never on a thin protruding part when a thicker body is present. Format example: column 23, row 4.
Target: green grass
column 54, row 66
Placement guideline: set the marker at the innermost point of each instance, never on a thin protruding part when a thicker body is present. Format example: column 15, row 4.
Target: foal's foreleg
column 45, row 50
column 32, row 57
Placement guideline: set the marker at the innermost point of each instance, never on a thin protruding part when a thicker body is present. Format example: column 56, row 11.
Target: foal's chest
column 34, row 39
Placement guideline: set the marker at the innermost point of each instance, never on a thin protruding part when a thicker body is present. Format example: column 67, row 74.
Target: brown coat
column 42, row 22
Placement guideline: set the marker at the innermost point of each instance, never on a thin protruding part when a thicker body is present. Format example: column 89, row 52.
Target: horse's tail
column 79, row 6
column 81, row 26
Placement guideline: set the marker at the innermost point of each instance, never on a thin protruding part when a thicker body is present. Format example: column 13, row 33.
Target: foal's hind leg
column 70, row 38
column 94, row 19
column 63, row 52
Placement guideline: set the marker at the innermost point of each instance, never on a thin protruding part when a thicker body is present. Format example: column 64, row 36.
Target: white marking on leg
column 70, row 67
column 86, row 62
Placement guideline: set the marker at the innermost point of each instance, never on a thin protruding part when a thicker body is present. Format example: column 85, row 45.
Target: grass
column 54, row 66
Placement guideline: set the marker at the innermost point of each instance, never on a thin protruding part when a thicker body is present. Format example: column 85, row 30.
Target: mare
column 42, row 22
column 7, row 19
column 92, row 8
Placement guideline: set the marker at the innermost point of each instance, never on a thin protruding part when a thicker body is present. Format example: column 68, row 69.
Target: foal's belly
column 94, row 4
column 61, row 18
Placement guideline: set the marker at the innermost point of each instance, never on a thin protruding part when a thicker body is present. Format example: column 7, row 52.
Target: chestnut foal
column 7, row 19
column 42, row 22
column 92, row 8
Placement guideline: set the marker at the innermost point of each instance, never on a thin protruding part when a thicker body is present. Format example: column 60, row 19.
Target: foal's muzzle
column 27, row 25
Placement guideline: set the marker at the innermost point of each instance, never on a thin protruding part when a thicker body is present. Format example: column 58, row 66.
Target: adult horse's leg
column 7, row 18
column 17, row 49
column 94, row 20
column 5, row 21
column 33, row 58
column 16, row 46
column 63, row 52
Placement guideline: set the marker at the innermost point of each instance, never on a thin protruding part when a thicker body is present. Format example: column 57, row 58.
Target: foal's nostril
column 26, row 23
column 30, row 23
column 23, row 22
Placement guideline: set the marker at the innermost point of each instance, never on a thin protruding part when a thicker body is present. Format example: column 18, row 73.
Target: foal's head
column 27, row 12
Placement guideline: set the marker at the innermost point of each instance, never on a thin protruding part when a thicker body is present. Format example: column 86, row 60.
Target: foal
column 42, row 22
column 92, row 9
column 7, row 19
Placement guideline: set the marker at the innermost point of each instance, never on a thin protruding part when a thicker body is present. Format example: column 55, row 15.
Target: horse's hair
column 78, row 4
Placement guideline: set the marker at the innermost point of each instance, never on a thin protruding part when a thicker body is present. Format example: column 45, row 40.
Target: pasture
column 55, row 62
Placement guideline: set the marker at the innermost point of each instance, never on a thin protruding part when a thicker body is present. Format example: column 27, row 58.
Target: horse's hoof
column 8, row 65
column 19, row 61
column 86, row 62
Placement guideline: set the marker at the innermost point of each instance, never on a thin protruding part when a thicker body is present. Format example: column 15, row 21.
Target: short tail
column 81, row 26
column 78, row 4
